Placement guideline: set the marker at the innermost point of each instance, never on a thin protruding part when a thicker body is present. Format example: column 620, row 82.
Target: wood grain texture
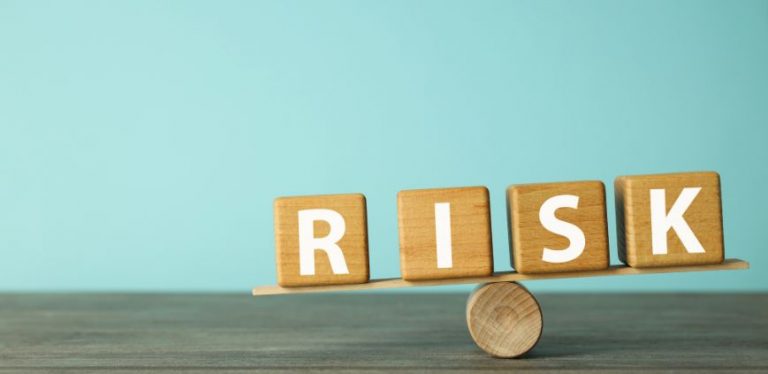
column 528, row 237
column 354, row 243
column 470, row 224
column 374, row 332
column 633, row 217
column 504, row 319
column 730, row 264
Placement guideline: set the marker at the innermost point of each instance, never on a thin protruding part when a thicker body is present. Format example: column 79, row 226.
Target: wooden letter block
column 558, row 227
column 445, row 233
column 321, row 240
column 669, row 219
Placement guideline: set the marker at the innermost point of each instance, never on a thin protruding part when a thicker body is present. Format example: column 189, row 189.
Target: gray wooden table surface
column 374, row 332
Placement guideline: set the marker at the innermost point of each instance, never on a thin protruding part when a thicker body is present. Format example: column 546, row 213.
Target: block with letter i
column 669, row 219
column 558, row 227
column 321, row 240
column 445, row 233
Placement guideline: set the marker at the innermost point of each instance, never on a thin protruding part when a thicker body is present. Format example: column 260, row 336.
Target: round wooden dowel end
column 504, row 319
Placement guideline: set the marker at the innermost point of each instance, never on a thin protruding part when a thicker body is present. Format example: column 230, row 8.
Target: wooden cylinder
column 504, row 319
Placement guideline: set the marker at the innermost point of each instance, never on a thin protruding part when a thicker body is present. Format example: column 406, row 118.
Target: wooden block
column 330, row 234
column 669, row 219
column 558, row 227
column 445, row 233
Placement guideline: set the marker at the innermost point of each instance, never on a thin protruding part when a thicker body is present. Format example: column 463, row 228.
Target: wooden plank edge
column 509, row 276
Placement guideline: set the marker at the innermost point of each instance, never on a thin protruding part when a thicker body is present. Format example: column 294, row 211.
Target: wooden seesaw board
column 509, row 276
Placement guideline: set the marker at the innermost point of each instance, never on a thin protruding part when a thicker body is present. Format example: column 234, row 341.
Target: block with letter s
column 557, row 227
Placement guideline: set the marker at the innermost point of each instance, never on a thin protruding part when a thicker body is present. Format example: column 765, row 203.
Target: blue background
column 142, row 142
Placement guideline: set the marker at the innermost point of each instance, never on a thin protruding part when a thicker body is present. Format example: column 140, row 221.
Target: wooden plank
column 511, row 276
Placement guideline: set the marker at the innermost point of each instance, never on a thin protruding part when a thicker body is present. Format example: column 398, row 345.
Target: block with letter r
column 321, row 240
